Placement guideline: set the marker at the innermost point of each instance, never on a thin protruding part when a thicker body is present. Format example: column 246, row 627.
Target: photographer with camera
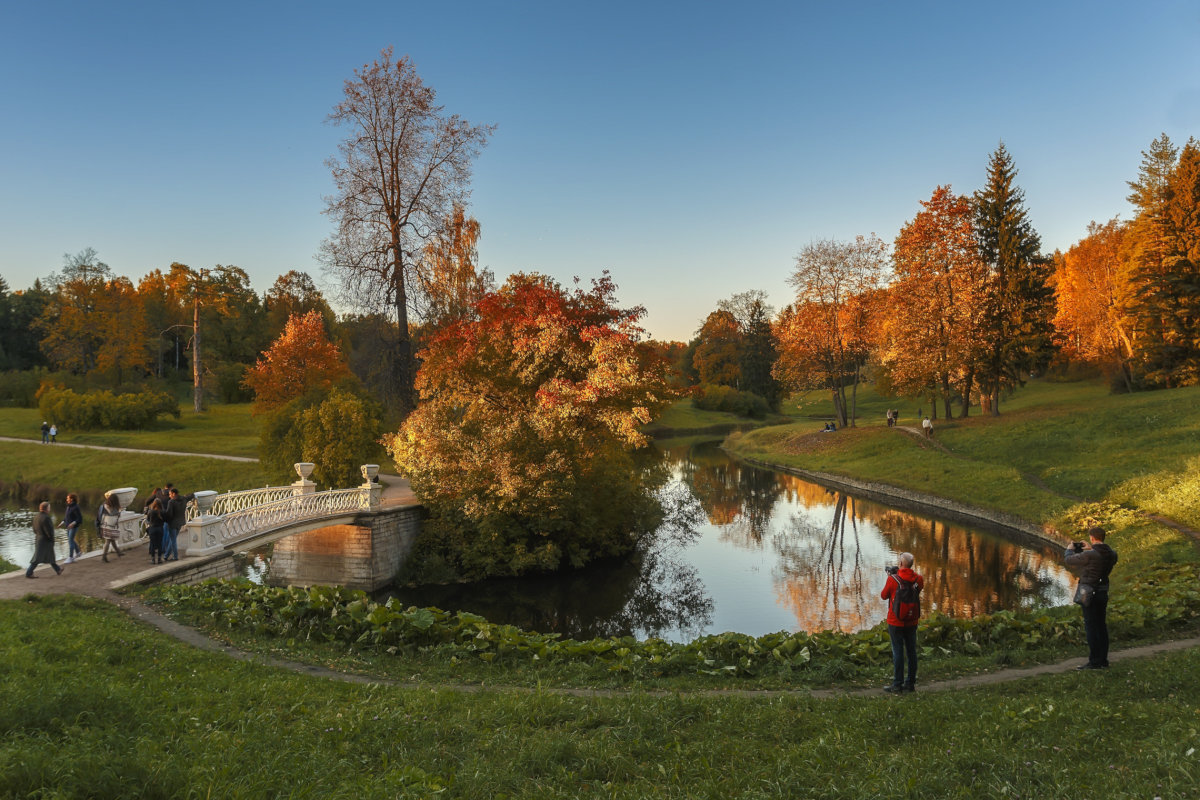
column 1093, row 562
column 902, row 590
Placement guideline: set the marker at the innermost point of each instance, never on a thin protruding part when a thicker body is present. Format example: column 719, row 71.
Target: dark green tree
column 1018, row 308
column 1164, row 249
column 759, row 354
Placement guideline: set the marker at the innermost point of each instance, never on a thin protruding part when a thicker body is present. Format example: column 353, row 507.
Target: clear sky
column 690, row 148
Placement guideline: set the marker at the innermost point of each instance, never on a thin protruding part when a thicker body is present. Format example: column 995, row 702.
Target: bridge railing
column 267, row 516
column 238, row 501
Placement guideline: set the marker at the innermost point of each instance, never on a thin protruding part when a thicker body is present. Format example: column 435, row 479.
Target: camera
column 1077, row 546
column 891, row 570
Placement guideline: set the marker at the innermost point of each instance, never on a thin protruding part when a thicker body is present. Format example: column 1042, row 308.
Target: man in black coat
column 176, row 519
column 43, row 551
column 1093, row 562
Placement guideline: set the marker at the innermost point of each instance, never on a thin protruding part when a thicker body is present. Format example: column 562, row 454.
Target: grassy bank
column 224, row 728
column 1054, row 445
column 31, row 472
column 681, row 418
column 226, row 430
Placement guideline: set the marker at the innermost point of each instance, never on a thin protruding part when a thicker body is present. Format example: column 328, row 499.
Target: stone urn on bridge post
column 205, row 529
column 372, row 488
column 304, row 485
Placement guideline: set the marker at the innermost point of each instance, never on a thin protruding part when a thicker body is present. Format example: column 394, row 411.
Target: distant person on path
column 72, row 519
column 902, row 590
column 928, row 426
column 45, row 432
column 176, row 519
column 53, row 434
column 108, row 523
column 156, row 519
column 43, row 551
column 1093, row 562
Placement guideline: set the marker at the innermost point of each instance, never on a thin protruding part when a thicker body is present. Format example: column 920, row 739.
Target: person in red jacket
column 902, row 590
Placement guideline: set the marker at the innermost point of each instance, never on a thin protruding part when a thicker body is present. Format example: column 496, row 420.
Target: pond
column 749, row 550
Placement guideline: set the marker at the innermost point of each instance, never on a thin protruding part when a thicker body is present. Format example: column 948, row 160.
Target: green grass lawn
column 34, row 472
column 227, row 430
column 1139, row 450
column 94, row 704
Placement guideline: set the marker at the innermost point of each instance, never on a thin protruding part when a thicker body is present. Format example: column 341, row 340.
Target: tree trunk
column 403, row 360
column 996, row 400
column 197, row 373
column 854, row 399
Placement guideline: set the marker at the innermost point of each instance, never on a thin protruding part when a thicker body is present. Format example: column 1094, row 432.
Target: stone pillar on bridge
column 204, row 533
column 129, row 527
column 304, row 485
column 373, row 488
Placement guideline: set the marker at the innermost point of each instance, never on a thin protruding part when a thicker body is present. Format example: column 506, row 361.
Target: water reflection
column 742, row 549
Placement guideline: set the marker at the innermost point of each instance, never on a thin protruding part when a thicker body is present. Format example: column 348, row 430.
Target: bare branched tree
column 398, row 175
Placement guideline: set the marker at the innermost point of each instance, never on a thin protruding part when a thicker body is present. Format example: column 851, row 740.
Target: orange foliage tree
column 521, row 447
column 825, row 336
column 300, row 360
column 932, row 335
column 1090, row 283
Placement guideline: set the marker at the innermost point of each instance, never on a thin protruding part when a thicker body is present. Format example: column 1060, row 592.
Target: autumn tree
column 1017, row 306
column 301, row 359
column 931, row 332
column 71, row 339
column 1163, row 250
column 451, row 280
column 758, row 348
column 397, row 176
column 168, row 325
column 120, row 321
column 825, row 335
column 522, row 445
column 717, row 356
column 294, row 294
column 1092, row 316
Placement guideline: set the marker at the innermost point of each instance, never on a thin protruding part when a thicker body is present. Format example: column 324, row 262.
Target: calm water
column 749, row 550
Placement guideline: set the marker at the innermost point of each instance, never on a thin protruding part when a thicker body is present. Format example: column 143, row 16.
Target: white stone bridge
column 376, row 539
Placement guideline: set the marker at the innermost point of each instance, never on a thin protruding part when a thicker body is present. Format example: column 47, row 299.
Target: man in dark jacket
column 72, row 521
column 1093, row 562
column 43, row 551
column 176, row 519
column 902, row 590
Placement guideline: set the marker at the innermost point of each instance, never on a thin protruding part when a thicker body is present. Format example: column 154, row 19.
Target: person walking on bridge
column 72, row 520
column 43, row 551
column 176, row 519
column 108, row 523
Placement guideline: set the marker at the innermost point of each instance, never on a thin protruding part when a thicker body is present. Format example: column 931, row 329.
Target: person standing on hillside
column 72, row 519
column 45, row 432
column 43, row 550
column 902, row 590
column 176, row 519
column 928, row 426
column 1093, row 562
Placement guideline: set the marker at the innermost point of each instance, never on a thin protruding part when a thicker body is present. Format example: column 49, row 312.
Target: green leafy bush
column 104, row 410
column 1161, row 598
column 338, row 431
column 713, row 397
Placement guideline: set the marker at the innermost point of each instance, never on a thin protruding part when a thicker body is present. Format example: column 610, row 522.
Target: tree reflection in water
column 759, row 551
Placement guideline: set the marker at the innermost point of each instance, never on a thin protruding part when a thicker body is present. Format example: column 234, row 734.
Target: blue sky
column 690, row 148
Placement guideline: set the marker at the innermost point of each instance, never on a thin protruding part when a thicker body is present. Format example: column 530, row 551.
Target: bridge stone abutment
column 365, row 554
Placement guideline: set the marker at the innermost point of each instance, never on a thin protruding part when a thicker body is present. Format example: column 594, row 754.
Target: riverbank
column 306, row 736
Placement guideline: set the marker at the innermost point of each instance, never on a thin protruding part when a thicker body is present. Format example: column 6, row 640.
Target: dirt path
column 91, row 577
column 132, row 450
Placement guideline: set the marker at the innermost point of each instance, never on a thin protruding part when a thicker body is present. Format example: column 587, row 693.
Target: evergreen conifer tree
column 1018, row 309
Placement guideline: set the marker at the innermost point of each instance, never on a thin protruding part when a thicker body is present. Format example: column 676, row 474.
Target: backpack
column 906, row 601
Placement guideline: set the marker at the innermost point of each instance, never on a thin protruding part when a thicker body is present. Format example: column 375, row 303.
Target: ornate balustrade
column 239, row 501
column 215, row 521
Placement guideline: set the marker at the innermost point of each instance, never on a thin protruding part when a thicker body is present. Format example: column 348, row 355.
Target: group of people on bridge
column 165, row 512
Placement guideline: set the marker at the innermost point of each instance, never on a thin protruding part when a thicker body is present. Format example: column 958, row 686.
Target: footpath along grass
column 227, row 430
column 93, row 704
column 29, row 472
column 1138, row 450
